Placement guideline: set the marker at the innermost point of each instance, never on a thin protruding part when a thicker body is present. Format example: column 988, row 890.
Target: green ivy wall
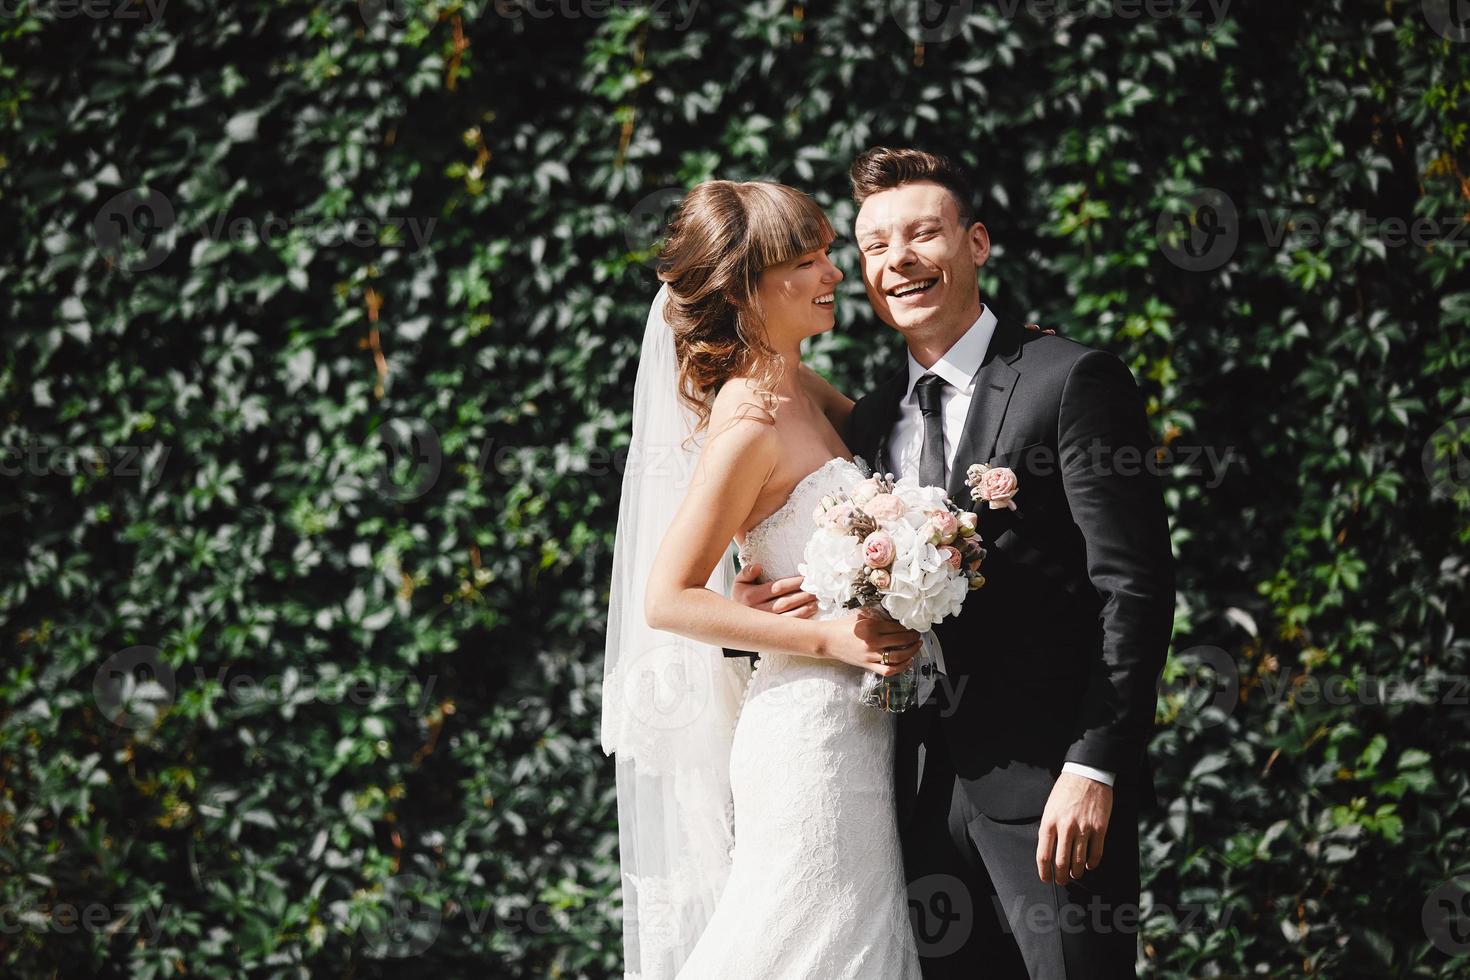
column 320, row 326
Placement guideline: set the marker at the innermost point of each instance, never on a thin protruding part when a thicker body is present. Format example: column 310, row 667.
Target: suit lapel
column 994, row 383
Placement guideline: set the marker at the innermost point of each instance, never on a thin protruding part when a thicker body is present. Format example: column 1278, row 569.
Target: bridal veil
column 669, row 704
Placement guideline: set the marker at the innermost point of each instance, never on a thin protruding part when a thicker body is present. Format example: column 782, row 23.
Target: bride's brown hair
column 723, row 237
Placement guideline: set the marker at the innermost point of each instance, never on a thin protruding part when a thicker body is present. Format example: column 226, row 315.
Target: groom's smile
column 908, row 290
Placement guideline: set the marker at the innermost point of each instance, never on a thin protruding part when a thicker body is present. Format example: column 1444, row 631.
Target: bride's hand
column 862, row 639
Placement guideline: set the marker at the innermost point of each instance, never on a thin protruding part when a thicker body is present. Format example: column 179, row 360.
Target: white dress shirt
column 957, row 366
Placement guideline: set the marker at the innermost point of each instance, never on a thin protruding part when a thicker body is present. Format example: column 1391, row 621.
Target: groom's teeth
column 910, row 288
column 825, row 300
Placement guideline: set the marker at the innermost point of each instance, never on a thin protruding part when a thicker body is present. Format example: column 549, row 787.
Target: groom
column 1020, row 780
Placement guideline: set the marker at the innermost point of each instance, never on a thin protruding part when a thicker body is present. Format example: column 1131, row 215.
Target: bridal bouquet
column 896, row 546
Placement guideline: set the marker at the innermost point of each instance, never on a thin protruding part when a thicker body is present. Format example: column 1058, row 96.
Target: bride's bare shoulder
column 741, row 443
column 739, row 401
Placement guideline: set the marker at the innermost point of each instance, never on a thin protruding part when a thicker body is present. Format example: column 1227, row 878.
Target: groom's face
column 919, row 261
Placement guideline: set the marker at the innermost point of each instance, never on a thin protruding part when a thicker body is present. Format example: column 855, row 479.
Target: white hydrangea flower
column 918, row 497
column 924, row 588
column 830, row 565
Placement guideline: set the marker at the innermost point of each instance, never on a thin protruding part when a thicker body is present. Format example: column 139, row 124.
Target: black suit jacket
column 1057, row 657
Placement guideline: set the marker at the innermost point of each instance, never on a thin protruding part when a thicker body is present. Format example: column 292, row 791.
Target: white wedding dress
column 816, row 888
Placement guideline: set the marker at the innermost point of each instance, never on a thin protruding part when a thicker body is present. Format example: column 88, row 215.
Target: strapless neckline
column 780, row 513
column 791, row 497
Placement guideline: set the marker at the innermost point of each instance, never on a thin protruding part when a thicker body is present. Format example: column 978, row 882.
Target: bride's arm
column 737, row 460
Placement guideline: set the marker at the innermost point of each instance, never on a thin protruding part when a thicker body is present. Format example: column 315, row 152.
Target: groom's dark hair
column 882, row 168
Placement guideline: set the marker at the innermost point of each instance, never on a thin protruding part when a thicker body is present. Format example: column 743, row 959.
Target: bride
column 756, row 815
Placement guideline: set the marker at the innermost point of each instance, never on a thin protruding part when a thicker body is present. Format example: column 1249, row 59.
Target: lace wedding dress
column 816, row 887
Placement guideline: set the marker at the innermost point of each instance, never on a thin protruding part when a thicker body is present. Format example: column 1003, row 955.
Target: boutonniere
column 995, row 484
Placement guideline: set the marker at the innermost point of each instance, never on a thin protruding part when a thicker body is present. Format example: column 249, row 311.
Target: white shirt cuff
column 1100, row 775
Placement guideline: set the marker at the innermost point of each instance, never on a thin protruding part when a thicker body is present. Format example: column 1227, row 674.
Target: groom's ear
column 979, row 244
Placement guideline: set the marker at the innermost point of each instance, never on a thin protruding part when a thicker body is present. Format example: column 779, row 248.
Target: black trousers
column 980, row 909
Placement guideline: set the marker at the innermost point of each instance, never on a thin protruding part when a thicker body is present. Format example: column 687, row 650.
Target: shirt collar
column 959, row 365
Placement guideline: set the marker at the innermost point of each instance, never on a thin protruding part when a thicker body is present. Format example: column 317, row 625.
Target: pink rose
column 947, row 525
column 884, row 507
column 838, row 516
column 969, row 521
column 952, row 555
column 997, row 485
column 878, row 550
column 880, row 578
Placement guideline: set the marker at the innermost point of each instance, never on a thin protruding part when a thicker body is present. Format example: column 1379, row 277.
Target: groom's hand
column 783, row 596
column 1073, row 828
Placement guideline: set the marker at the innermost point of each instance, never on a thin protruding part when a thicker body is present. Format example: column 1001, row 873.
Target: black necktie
column 931, row 459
